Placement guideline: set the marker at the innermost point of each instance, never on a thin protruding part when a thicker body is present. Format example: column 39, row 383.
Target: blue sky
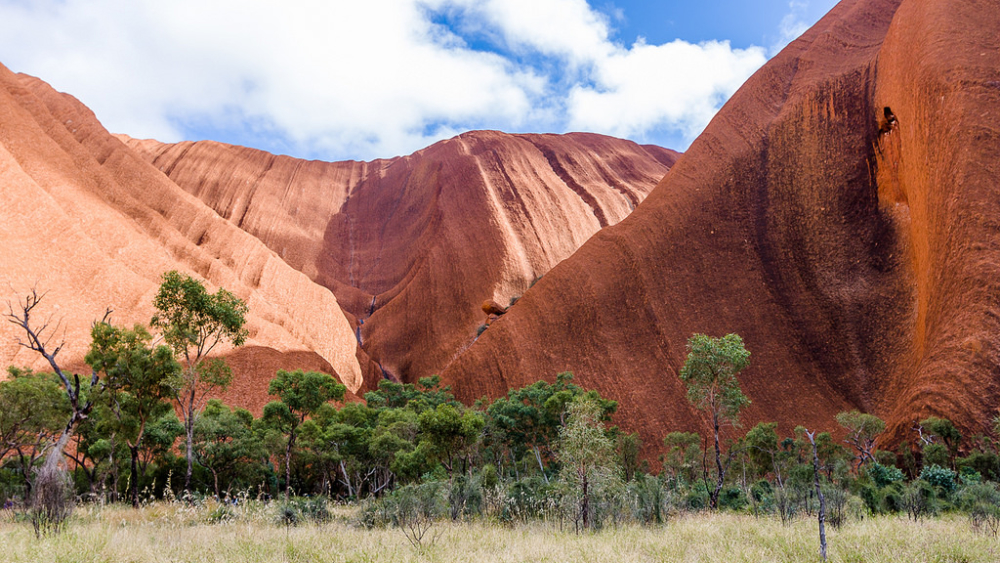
column 339, row 79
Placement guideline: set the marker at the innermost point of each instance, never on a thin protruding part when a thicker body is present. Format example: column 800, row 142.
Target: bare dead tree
column 40, row 337
column 924, row 440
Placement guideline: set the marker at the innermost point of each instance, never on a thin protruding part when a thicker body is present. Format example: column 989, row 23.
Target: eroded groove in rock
column 412, row 246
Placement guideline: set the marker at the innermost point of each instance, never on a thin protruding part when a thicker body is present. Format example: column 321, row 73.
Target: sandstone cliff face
column 412, row 246
column 840, row 213
column 87, row 221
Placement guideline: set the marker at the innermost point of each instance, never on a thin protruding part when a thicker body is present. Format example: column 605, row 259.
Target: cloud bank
column 336, row 79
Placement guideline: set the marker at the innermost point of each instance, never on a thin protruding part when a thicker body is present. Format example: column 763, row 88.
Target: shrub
column 919, row 500
column 732, row 498
column 935, row 454
column 649, row 498
column 221, row 514
column 939, row 476
column 883, row 475
column 51, row 501
column 982, row 503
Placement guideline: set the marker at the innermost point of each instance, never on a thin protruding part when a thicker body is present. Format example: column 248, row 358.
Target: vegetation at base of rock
column 412, row 457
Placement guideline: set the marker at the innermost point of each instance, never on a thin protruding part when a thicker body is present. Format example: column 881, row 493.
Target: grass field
column 175, row 532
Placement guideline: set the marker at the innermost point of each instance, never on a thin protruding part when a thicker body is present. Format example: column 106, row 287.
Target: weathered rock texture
column 412, row 246
column 841, row 213
column 93, row 225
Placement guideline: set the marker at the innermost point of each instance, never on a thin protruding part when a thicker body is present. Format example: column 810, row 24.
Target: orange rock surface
column 93, row 225
column 840, row 213
column 412, row 246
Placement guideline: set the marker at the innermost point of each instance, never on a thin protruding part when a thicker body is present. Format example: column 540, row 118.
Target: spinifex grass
column 176, row 532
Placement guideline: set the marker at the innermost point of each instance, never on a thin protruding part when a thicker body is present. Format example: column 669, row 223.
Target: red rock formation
column 86, row 220
column 412, row 246
column 840, row 213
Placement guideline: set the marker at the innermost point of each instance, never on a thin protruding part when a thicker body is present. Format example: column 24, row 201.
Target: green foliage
column 943, row 429
column 710, row 374
column 33, row 411
column 935, row 454
column 224, row 444
column 982, row 503
column 862, row 431
column 683, row 456
column 884, row 475
column 526, row 422
column 919, row 499
column 985, row 463
column 303, row 392
column 427, row 393
column 138, row 380
column 192, row 320
column 587, row 455
column 939, row 477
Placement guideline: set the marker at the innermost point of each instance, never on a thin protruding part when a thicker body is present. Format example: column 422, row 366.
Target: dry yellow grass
column 172, row 532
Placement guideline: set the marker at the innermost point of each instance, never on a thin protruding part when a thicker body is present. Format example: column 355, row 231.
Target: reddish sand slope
column 840, row 213
column 413, row 246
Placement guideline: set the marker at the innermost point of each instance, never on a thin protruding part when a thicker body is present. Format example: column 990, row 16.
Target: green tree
column 710, row 375
column 300, row 395
column 450, row 434
column 139, row 380
column 586, row 453
column 947, row 432
column 33, row 408
column 193, row 322
column 224, row 441
column 863, row 430
column 528, row 419
column 683, row 450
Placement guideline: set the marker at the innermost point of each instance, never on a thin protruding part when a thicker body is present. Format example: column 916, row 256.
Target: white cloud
column 794, row 24
column 676, row 85
column 364, row 79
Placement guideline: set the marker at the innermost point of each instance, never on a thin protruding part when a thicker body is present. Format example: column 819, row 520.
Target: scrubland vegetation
column 178, row 531
column 413, row 474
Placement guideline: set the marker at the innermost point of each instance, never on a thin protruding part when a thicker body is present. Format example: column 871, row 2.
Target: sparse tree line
column 142, row 427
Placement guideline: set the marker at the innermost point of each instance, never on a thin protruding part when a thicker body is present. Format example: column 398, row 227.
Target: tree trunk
column 822, row 499
column 347, row 479
column 189, row 451
column 134, row 485
column 538, row 456
column 56, row 455
column 720, row 472
column 585, row 502
column 288, row 466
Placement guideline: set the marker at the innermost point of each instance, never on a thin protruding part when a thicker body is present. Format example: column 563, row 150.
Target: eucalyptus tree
column 586, row 452
column 863, row 430
column 710, row 375
column 139, row 379
column 300, row 395
column 193, row 322
column 32, row 410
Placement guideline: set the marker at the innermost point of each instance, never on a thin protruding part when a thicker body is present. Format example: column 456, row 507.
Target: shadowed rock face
column 413, row 246
column 86, row 220
column 840, row 213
